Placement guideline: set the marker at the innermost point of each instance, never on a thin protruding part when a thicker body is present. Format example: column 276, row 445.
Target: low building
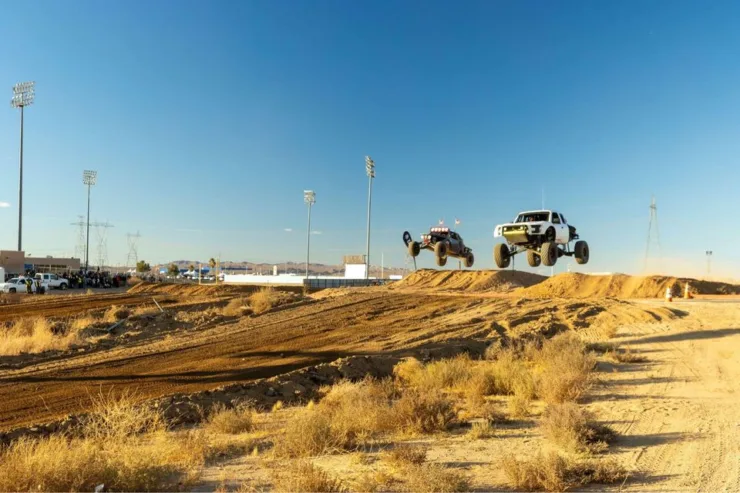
column 16, row 263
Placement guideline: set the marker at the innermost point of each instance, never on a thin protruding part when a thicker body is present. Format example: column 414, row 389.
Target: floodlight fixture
column 89, row 177
column 369, row 167
column 23, row 94
column 309, row 197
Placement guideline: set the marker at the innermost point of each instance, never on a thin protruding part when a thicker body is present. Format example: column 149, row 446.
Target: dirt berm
column 477, row 281
column 203, row 289
column 574, row 285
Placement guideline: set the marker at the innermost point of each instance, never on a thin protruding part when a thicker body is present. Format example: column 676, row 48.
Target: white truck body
column 18, row 285
column 535, row 223
column 53, row 281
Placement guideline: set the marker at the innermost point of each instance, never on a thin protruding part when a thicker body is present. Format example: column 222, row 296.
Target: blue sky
column 207, row 120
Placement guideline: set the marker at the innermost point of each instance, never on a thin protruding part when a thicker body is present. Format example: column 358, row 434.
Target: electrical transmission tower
column 653, row 224
column 101, row 229
column 80, row 246
column 133, row 249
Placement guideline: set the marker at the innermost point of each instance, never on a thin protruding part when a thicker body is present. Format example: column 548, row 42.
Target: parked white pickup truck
column 53, row 281
column 18, row 285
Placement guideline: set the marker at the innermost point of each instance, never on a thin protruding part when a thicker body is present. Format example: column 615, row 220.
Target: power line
column 101, row 230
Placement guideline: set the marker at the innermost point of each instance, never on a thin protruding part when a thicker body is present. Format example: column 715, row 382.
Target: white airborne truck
column 544, row 235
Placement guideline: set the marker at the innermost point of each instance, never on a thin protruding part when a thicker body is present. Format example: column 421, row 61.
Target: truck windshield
column 532, row 217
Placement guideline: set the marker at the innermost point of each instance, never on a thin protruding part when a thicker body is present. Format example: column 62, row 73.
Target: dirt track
column 361, row 322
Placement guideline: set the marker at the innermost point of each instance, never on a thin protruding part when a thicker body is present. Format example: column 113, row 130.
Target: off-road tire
column 469, row 259
column 441, row 261
column 502, row 255
column 63, row 286
column 533, row 259
column 549, row 253
column 550, row 235
column 440, row 250
column 581, row 252
column 414, row 248
column 12, row 290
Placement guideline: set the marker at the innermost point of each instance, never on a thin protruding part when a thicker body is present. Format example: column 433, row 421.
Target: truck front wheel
column 549, row 253
column 440, row 250
column 414, row 248
column 441, row 261
column 502, row 255
column 63, row 286
column 533, row 259
column 469, row 259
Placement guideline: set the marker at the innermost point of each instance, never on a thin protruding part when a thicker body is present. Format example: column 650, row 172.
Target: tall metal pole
column 308, row 239
column 87, row 247
column 370, row 170
column 20, row 192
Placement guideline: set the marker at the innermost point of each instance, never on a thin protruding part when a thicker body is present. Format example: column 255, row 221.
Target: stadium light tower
column 370, row 171
column 709, row 262
column 23, row 95
column 88, row 178
column 309, row 197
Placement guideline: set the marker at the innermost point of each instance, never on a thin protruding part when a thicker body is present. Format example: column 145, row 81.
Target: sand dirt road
column 678, row 413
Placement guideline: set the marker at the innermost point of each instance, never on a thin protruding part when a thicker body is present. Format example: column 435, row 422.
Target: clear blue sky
column 207, row 120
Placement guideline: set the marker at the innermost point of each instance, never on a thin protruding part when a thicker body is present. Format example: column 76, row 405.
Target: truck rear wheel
column 533, row 259
column 63, row 286
column 441, row 261
column 549, row 253
column 502, row 255
column 11, row 290
column 440, row 249
column 469, row 259
column 581, row 252
column 414, row 248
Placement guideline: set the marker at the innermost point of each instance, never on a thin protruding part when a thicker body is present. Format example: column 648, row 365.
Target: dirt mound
column 573, row 285
column 479, row 281
column 202, row 289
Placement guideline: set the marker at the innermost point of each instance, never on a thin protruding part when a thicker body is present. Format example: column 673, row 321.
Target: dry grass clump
column 231, row 421
column 372, row 482
column 442, row 374
column 573, row 429
column 405, row 454
column 237, row 307
column 422, row 412
column 481, row 430
column 563, row 369
column 304, row 476
column 264, row 299
column 619, row 355
column 34, row 335
column 553, row 472
column 123, row 446
column 434, row 478
column 512, row 376
column 116, row 313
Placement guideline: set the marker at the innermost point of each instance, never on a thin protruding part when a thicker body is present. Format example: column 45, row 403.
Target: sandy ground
column 676, row 415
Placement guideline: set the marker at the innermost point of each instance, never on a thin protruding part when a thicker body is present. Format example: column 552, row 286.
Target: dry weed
column 307, row 434
column 519, row 405
column 263, row 300
column 372, row 482
column 236, row 307
column 442, row 374
column 422, row 412
column 511, row 376
column 34, row 335
column 434, row 478
column 231, row 421
column 573, row 429
column 304, row 476
column 116, row 313
column 404, row 454
column 619, row 355
column 481, row 430
column 553, row 472
column 563, row 369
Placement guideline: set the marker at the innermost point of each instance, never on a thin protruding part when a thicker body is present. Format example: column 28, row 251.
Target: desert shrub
column 307, row 434
column 563, row 369
column 236, row 308
column 231, row 421
column 116, row 313
column 511, row 375
column 34, row 335
column 553, row 472
column 405, row 454
column 619, row 355
column 123, row 446
column 304, row 476
column 372, row 482
column 481, row 429
column 519, row 405
column 407, row 371
column 434, row 478
column 573, row 429
column 442, row 374
column 263, row 300
column 422, row 412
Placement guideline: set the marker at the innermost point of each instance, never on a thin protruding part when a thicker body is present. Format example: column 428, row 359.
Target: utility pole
column 709, row 262
column 309, row 197
column 653, row 219
column 370, row 171
column 23, row 95
column 89, row 178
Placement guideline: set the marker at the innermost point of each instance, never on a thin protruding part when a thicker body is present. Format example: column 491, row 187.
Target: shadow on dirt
column 688, row 336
